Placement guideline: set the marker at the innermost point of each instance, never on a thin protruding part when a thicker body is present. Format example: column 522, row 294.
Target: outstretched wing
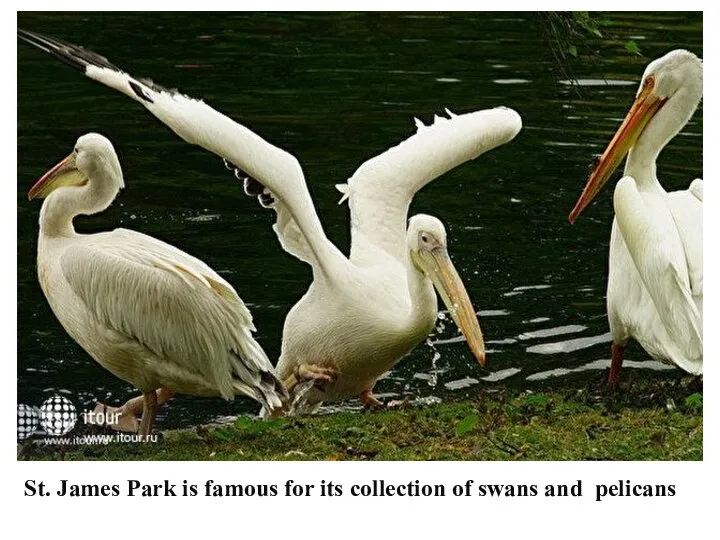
column 382, row 188
column 173, row 305
column 656, row 247
column 279, row 173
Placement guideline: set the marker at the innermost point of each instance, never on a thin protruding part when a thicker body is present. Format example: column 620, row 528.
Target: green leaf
column 588, row 23
column 572, row 50
column 273, row 423
column 466, row 424
column 243, row 423
column 251, row 426
column 632, row 47
column 537, row 399
column 221, row 434
column 694, row 401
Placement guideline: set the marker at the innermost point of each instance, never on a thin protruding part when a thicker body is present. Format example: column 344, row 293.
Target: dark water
column 335, row 90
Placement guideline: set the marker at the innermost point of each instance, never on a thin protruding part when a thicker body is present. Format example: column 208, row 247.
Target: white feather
column 360, row 315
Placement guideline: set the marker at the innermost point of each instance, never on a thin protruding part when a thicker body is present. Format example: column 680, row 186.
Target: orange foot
column 369, row 401
column 125, row 418
column 118, row 418
column 311, row 372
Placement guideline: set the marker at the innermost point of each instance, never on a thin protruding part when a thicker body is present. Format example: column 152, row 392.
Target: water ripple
column 501, row 374
column 598, row 365
column 461, row 383
column 549, row 332
column 569, row 345
column 597, row 82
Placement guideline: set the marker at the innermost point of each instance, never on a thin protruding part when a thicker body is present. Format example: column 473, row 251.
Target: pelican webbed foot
column 403, row 403
column 369, row 401
column 125, row 418
column 117, row 418
column 321, row 376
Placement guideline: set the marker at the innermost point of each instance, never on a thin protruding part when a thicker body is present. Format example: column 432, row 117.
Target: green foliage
column 466, row 424
column 694, row 402
column 567, row 32
column 221, row 434
column 593, row 423
column 250, row 426
column 632, row 47
column 538, row 400
column 576, row 35
column 590, row 24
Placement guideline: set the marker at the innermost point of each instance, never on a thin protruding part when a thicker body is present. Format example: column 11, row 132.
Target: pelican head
column 427, row 243
column 669, row 93
column 93, row 160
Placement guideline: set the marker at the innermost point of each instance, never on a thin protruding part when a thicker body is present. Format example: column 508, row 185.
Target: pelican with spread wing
column 364, row 312
column 152, row 315
column 655, row 282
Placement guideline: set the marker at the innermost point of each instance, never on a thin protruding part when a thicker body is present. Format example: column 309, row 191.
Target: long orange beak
column 63, row 174
column 439, row 268
column 646, row 105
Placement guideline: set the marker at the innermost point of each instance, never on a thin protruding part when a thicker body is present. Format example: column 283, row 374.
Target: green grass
column 657, row 420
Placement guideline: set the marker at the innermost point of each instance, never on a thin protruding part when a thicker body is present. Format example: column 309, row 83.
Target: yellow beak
column 439, row 268
column 64, row 173
column 646, row 105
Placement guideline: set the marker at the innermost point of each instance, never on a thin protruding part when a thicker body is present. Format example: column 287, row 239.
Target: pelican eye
column 75, row 150
column 424, row 237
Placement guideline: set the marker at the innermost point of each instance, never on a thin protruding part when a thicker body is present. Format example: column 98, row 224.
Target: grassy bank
column 655, row 420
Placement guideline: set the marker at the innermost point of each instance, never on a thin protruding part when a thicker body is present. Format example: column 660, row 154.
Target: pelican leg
column 369, row 401
column 310, row 372
column 150, row 406
column 122, row 418
column 618, row 353
column 125, row 417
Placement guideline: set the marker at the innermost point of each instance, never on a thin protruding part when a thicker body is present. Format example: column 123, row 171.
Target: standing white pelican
column 149, row 313
column 655, row 281
column 363, row 313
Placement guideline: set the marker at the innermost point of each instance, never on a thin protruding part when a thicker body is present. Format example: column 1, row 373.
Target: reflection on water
column 511, row 81
column 500, row 375
column 570, row 345
column 461, row 383
column 336, row 89
column 599, row 364
column 552, row 332
column 597, row 82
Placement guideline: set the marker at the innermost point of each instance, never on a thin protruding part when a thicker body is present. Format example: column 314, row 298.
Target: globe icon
column 58, row 415
column 28, row 420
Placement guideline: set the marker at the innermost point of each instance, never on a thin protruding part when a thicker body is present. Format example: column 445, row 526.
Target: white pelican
column 655, row 281
column 363, row 313
column 152, row 315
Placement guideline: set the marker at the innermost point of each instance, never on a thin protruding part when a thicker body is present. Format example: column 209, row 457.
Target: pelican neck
column 641, row 166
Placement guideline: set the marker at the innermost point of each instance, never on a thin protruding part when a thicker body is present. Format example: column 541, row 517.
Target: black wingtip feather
column 266, row 200
column 252, row 187
column 139, row 92
column 73, row 55
column 80, row 58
